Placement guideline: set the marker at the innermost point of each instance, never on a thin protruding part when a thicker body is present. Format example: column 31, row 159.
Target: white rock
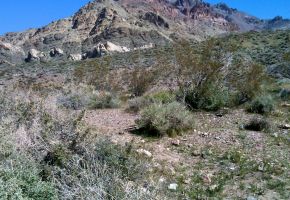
column 144, row 152
column 173, row 186
column 75, row 57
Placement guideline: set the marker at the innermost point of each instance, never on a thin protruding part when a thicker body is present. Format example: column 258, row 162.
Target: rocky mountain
column 106, row 26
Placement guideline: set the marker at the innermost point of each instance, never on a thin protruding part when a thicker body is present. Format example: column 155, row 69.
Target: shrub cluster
column 91, row 100
column 261, row 105
column 166, row 119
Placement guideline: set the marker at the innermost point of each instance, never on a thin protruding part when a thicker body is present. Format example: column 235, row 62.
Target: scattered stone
column 56, row 52
column 175, row 142
column 275, row 135
column 261, row 167
column 34, row 55
column 173, row 186
column 251, row 198
column 196, row 153
column 161, row 180
column 217, row 138
column 232, row 167
column 207, row 178
column 285, row 104
column 75, row 57
column 213, row 187
column 144, row 152
column 284, row 126
column 204, row 134
column 187, row 181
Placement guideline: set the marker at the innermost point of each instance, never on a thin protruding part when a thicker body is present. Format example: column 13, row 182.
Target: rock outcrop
column 128, row 25
column 34, row 55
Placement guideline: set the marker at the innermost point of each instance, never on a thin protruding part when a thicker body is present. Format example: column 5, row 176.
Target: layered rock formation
column 108, row 26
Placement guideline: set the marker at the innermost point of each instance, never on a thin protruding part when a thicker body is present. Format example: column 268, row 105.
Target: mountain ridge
column 106, row 26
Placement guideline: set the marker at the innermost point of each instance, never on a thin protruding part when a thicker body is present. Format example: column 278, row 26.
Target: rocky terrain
column 102, row 27
column 134, row 100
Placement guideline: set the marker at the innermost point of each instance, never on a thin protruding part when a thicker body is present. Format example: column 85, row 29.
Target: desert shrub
column 258, row 124
column 211, row 99
column 170, row 119
column 261, row 105
column 163, row 97
column 247, row 80
column 72, row 101
column 201, row 75
column 20, row 179
column 54, row 159
column 284, row 94
column 139, row 82
column 138, row 103
column 103, row 100
column 102, row 172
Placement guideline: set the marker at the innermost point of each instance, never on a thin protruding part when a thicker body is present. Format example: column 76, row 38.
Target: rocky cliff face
column 126, row 25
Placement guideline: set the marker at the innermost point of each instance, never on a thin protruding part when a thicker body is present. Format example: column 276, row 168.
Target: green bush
column 162, row 97
column 170, row 119
column 20, row 179
column 138, row 103
column 211, row 99
column 258, row 124
column 72, row 101
column 261, row 105
column 103, row 100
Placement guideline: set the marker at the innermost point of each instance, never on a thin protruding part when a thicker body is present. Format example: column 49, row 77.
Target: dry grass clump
column 44, row 155
column 166, row 119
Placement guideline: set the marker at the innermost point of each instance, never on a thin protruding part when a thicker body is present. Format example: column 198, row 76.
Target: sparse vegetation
column 166, row 119
column 54, row 144
column 258, row 124
column 261, row 105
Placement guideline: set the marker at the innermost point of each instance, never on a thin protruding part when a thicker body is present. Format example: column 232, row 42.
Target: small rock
column 175, row 142
column 285, row 104
column 144, row 152
column 187, row 181
column 161, row 180
column 207, row 178
column 204, row 134
column 285, row 126
column 190, row 145
column 217, row 138
column 173, row 186
column 261, row 167
column 196, row 153
column 232, row 167
column 275, row 135
column 213, row 187
column 251, row 198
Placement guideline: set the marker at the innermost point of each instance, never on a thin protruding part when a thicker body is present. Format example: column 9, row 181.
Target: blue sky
column 264, row 9
column 18, row 15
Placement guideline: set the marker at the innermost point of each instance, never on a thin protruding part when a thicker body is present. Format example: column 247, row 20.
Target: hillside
column 146, row 100
column 110, row 26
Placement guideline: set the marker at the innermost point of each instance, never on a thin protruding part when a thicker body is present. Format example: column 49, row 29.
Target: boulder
column 34, row 55
column 173, row 186
column 75, row 57
column 115, row 48
column 144, row 152
column 56, row 52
